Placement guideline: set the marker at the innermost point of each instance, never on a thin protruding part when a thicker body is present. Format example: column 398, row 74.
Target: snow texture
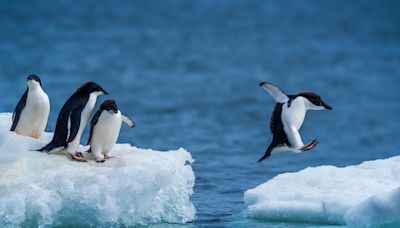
column 136, row 187
column 362, row 195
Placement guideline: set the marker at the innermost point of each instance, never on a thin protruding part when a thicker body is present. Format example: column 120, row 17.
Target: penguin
column 287, row 118
column 32, row 111
column 72, row 120
column 104, row 129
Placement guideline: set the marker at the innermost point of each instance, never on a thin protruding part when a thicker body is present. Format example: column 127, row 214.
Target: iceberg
column 361, row 195
column 136, row 187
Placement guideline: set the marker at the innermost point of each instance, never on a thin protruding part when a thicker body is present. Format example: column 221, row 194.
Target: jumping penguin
column 73, row 118
column 104, row 129
column 287, row 118
column 32, row 111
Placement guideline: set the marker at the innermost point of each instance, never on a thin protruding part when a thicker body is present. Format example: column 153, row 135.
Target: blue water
column 188, row 73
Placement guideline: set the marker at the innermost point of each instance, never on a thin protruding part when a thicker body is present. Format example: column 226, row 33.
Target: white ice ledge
column 136, row 187
column 362, row 195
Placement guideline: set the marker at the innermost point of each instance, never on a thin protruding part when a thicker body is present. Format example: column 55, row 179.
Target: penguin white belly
column 294, row 115
column 34, row 116
column 105, row 133
column 85, row 115
column 293, row 118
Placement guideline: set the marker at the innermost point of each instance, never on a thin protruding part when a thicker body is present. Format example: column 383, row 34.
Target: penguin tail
column 267, row 154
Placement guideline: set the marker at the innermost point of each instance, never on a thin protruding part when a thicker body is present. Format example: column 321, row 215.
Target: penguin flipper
column 128, row 121
column 93, row 122
column 18, row 110
column 275, row 92
column 75, row 118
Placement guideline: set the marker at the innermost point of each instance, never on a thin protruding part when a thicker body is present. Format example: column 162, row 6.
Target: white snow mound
column 362, row 195
column 136, row 187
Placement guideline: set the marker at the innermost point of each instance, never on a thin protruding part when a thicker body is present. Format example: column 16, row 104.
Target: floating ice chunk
column 136, row 187
column 365, row 194
column 380, row 210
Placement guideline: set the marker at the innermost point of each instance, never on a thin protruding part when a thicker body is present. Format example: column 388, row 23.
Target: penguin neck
column 93, row 97
column 293, row 115
column 92, row 100
column 35, row 89
column 299, row 105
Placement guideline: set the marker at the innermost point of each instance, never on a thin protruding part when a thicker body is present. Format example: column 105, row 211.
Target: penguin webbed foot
column 106, row 156
column 78, row 156
column 100, row 159
column 309, row 145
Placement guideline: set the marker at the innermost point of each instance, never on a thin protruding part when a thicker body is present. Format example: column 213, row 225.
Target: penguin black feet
column 99, row 159
column 78, row 156
column 309, row 145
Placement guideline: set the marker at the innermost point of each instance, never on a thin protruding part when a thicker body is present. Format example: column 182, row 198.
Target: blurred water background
column 188, row 74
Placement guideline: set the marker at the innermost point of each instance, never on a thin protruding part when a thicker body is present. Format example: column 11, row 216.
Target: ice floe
column 361, row 195
column 136, row 187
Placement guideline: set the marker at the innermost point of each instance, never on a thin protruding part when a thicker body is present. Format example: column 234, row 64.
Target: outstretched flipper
column 275, row 92
column 128, row 121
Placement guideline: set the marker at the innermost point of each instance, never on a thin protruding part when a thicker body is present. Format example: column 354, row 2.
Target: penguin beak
column 326, row 106
column 113, row 111
column 103, row 91
column 34, row 78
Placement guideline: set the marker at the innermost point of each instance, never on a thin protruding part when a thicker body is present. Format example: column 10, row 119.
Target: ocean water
column 188, row 71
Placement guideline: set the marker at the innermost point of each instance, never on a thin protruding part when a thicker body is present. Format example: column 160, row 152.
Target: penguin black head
column 34, row 79
column 91, row 87
column 109, row 106
column 315, row 101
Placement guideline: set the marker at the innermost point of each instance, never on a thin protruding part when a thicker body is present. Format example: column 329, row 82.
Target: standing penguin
column 32, row 111
column 73, row 118
column 104, row 129
column 287, row 118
